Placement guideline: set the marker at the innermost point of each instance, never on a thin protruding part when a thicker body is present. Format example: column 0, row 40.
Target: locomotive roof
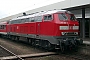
column 41, row 13
column 3, row 23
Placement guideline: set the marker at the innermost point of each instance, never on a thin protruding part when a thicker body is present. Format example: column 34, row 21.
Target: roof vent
column 55, row 9
column 24, row 14
column 42, row 11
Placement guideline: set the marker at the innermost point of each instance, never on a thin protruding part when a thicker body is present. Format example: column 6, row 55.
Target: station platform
column 86, row 41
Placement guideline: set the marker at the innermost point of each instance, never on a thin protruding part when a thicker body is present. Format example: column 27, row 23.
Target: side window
column 12, row 22
column 16, row 21
column 48, row 17
column 38, row 18
column 45, row 17
column 23, row 20
column 2, row 26
column 19, row 21
column 27, row 19
column 32, row 19
column 9, row 22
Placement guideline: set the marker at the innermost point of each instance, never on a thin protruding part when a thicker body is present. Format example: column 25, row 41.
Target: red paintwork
column 67, row 22
column 48, row 28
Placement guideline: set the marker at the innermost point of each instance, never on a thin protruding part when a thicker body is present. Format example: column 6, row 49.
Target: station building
column 81, row 9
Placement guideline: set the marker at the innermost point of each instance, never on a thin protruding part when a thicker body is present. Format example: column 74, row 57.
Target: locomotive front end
column 68, row 31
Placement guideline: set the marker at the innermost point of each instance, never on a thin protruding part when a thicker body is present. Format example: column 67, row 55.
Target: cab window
column 48, row 17
column 62, row 16
column 72, row 17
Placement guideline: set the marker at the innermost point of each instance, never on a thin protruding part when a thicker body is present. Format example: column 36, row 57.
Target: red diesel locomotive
column 56, row 29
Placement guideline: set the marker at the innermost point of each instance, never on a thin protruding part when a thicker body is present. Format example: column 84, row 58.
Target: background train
column 55, row 29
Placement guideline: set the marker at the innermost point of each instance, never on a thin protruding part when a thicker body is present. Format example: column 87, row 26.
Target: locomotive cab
column 68, row 32
column 61, row 29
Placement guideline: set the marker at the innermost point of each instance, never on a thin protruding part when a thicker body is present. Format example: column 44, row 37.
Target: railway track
column 21, row 57
column 78, row 57
column 75, row 56
column 11, row 52
column 29, row 55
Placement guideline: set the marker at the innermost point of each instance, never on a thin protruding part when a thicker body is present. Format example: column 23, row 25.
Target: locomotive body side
column 51, row 30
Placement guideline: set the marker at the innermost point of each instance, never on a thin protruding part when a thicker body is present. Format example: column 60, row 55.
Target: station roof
column 67, row 4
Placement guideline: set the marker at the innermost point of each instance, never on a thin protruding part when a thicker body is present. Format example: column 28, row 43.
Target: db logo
column 71, row 27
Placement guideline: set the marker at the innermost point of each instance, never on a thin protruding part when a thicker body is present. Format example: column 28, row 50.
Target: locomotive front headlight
column 76, row 33
column 64, row 40
column 75, row 27
column 78, row 39
column 62, row 33
column 63, row 27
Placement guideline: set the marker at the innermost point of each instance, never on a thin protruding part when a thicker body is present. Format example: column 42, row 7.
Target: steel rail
column 11, row 52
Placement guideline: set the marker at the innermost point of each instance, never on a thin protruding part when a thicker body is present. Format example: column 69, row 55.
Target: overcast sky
column 11, row 7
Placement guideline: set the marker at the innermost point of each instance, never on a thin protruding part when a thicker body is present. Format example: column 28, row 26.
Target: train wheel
column 11, row 37
column 50, row 46
column 62, row 47
column 17, row 38
column 33, row 42
column 28, row 40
